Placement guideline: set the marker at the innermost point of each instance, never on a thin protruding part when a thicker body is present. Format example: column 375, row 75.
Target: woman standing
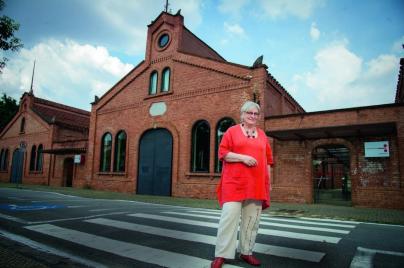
column 243, row 190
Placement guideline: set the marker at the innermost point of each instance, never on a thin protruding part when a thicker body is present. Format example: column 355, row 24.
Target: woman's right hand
column 249, row 161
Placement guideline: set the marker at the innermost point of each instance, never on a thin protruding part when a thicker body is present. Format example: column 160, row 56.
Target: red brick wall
column 289, row 176
column 376, row 182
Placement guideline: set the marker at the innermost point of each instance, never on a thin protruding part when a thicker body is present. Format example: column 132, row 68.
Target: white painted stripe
column 215, row 211
column 330, row 220
column 289, row 220
column 176, row 220
column 124, row 249
column 293, row 235
column 44, row 248
column 313, row 223
column 387, row 252
column 78, row 218
column 302, row 227
column 12, row 218
column 101, row 209
column 364, row 257
column 194, row 237
column 293, row 253
column 283, row 225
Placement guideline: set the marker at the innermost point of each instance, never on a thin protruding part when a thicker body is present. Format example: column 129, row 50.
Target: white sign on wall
column 77, row 159
column 377, row 149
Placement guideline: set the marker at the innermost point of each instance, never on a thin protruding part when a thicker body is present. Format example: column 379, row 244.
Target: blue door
column 17, row 166
column 155, row 160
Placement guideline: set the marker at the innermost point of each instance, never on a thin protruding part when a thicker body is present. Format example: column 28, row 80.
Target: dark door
column 17, row 166
column 155, row 159
column 68, row 171
column 332, row 184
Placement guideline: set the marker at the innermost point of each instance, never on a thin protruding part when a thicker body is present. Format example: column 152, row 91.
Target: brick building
column 157, row 130
column 39, row 143
column 170, row 112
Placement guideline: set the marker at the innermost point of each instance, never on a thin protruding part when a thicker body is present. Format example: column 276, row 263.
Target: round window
column 163, row 40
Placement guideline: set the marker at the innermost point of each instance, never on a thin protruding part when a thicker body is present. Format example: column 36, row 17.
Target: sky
column 328, row 54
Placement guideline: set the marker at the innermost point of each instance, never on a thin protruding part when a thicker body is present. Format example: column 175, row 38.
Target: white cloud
column 234, row 29
column 342, row 79
column 380, row 66
column 336, row 67
column 191, row 10
column 283, row 8
column 66, row 72
column 224, row 42
column 130, row 18
column 233, row 7
column 314, row 32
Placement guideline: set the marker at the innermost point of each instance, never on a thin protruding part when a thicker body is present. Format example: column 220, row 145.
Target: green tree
column 8, row 108
column 8, row 41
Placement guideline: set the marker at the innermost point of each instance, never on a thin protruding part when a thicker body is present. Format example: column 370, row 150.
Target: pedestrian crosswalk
column 196, row 227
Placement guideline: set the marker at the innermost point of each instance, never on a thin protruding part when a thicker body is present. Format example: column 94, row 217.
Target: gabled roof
column 191, row 44
column 59, row 114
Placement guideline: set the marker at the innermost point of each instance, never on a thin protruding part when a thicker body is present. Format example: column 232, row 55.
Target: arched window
column 200, row 147
column 221, row 128
column 32, row 159
column 39, row 158
column 165, row 80
column 22, row 126
column 153, row 83
column 2, row 159
column 105, row 159
column 120, row 152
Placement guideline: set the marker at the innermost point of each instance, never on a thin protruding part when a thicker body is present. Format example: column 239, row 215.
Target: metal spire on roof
column 166, row 6
column 31, row 91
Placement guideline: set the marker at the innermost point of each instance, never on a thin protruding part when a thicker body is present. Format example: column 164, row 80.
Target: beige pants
column 250, row 212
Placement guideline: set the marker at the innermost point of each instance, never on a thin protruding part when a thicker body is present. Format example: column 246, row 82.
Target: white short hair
column 247, row 106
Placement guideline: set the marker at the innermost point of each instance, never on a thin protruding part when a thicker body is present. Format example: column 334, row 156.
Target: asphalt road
column 82, row 232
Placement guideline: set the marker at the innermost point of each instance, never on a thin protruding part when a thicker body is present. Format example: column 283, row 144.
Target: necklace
column 250, row 133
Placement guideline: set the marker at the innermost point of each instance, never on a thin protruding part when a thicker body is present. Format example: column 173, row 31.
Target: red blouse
column 239, row 181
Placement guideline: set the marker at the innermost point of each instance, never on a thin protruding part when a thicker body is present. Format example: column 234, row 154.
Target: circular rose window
column 163, row 40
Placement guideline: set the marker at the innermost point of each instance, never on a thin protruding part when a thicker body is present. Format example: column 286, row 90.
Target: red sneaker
column 217, row 262
column 250, row 259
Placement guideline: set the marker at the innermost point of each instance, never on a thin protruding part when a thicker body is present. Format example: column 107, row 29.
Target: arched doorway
column 331, row 169
column 68, row 165
column 17, row 166
column 155, row 163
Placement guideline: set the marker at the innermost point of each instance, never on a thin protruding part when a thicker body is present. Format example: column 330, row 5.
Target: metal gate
column 17, row 166
column 155, row 162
